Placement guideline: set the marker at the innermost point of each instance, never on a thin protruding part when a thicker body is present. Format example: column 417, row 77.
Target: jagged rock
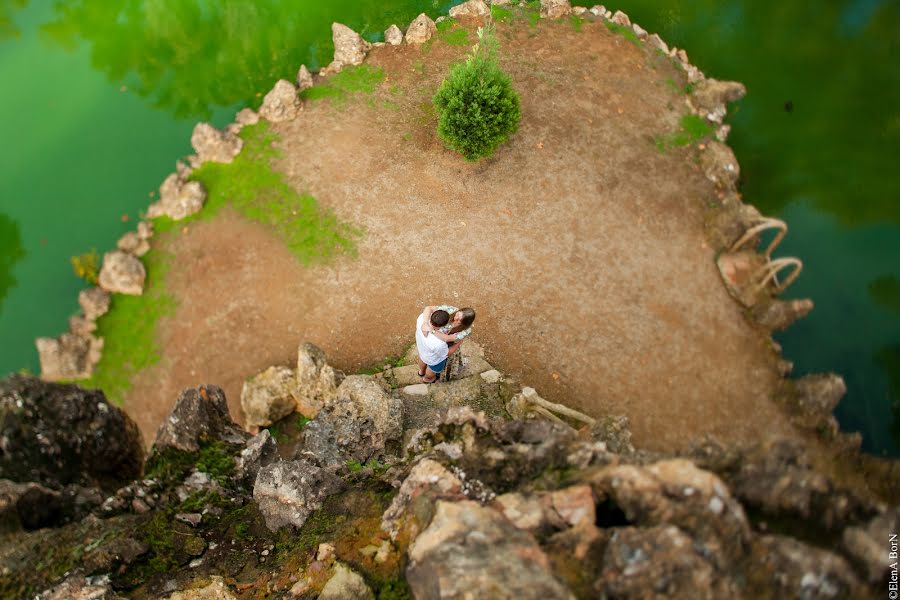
column 393, row 35
column 178, row 198
column 304, row 79
column 614, row 432
column 246, row 116
column 657, row 42
column 110, row 555
column 867, row 546
column 199, row 414
column 719, row 164
column 472, row 551
column 132, row 243
column 639, row 31
column 281, row 103
column 786, row 568
column 56, row 435
column 543, row 511
column 420, row 30
column 346, row 584
column 778, row 315
column 81, row 327
column 349, row 47
column 28, row 506
column 317, row 382
column 217, row 589
column 470, row 9
column 676, row 492
column 70, row 356
column 94, row 302
column 79, row 587
column 122, row 273
column 658, row 562
column 145, row 230
column 598, row 10
column 554, row 9
column 620, row 18
column 269, row 396
column 261, row 450
column 214, row 145
column 362, row 422
column 287, row 492
column 814, row 397
column 428, row 480
column 711, row 97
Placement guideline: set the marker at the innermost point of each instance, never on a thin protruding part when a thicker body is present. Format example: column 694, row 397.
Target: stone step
column 425, row 405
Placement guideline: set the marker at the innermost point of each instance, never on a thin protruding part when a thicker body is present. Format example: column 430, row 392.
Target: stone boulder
column 261, row 450
column 281, row 103
column 79, row 587
column 56, row 435
column 94, row 302
column 720, row 165
column 620, row 18
column 542, row 512
column 27, row 506
column 200, row 414
column 317, row 382
column 246, row 116
column 304, row 79
column 814, row 398
column 349, row 47
column 473, row 9
column 554, row 9
column 214, row 145
column 782, row 567
column 346, row 584
column 70, row 356
column 122, row 273
column 658, row 562
column 362, row 422
column 866, row 545
column 778, row 315
column 711, row 97
column 427, row 482
column 420, row 30
column 269, row 396
column 393, row 35
column 216, row 589
column 287, row 492
column 134, row 244
column 178, row 198
column 472, row 551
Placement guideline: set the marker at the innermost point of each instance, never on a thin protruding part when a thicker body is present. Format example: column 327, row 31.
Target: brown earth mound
column 579, row 243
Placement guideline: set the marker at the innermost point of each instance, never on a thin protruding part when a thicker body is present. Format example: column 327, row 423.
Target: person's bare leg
column 422, row 367
column 453, row 348
column 430, row 376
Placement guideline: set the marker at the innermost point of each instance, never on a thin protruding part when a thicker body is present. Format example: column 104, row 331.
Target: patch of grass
column 372, row 463
column 361, row 79
column 500, row 14
column 533, row 16
column 626, row 32
column 128, row 330
column 395, row 90
column 693, row 129
column 576, row 22
column 250, row 186
column 419, row 67
column 450, row 32
column 171, row 466
column 302, row 420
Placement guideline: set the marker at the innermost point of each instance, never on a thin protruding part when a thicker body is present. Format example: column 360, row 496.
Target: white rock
column 281, row 103
column 470, row 9
column 420, row 30
column 349, row 47
column 122, row 273
column 304, row 79
column 393, row 35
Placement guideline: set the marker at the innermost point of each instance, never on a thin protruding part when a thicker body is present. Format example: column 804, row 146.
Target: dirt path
column 579, row 243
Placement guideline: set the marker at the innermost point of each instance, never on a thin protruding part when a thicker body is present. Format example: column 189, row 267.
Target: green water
column 100, row 99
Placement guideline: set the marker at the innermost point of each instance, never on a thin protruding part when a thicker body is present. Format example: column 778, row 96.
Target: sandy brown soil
column 580, row 245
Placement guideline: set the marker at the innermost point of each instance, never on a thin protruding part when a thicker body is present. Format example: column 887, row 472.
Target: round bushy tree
column 477, row 107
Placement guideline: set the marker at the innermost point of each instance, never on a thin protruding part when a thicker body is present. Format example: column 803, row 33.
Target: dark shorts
column 438, row 367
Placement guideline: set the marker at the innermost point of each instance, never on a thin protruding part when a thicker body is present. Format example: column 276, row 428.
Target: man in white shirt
column 432, row 350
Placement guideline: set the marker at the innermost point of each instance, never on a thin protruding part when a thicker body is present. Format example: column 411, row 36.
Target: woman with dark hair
column 456, row 330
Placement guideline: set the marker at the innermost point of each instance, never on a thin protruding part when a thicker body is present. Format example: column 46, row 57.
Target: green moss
column 533, row 16
column 693, row 129
column 500, row 14
column 172, row 465
column 362, row 79
column 302, row 420
column 450, row 32
column 626, row 32
column 576, row 22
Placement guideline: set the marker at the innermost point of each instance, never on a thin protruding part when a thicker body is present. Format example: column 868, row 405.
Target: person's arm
column 443, row 336
column 426, row 322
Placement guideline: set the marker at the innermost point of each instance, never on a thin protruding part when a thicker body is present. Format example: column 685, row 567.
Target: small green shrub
column 477, row 107
column 87, row 266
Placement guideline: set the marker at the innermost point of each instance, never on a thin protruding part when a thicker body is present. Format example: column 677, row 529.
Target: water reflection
column 11, row 251
column 885, row 292
column 188, row 56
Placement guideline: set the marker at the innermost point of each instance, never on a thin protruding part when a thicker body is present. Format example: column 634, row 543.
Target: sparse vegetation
column 477, row 107
column 362, row 79
column 87, row 266
column 693, row 129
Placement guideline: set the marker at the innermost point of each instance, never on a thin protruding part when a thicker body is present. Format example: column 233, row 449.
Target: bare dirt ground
column 579, row 243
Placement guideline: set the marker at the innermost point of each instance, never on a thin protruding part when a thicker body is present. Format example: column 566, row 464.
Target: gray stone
column 134, row 244
column 79, row 587
column 178, row 198
column 349, row 47
column 428, row 479
column 281, row 103
column 304, row 79
column 269, row 396
column 492, row 376
column 145, row 230
column 639, row 31
column 68, row 356
column 261, row 450
column 470, row 9
column 217, row 589
column 720, row 165
column 94, row 302
column 122, row 273
column 393, row 35
column 199, row 414
column 346, row 584
column 317, row 382
column 657, row 42
column 472, row 551
column 554, row 9
column 287, row 492
column 786, row 568
column 420, row 30
column 214, row 145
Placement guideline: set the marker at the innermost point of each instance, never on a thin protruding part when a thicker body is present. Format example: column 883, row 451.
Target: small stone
column 214, row 145
column 122, row 273
column 132, row 243
column 94, row 301
column 420, row 30
column 492, row 376
column 192, row 519
column 621, row 18
column 393, row 35
column 554, row 9
column 325, row 552
column 304, row 79
column 139, row 506
column 639, row 31
column 716, row 505
column 349, row 47
column 281, row 103
column 470, row 9
column 419, row 389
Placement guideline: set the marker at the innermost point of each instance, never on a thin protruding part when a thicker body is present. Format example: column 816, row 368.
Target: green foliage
column 626, row 32
column 171, row 466
column 477, row 107
column 395, row 589
column 302, row 420
column 372, row 463
column 87, row 266
column 128, row 330
column 361, row 79
column 693, row 129
column 576, row 22
column 500, row 14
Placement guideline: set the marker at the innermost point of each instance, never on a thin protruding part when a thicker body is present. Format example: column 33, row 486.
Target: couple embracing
column 440, row 331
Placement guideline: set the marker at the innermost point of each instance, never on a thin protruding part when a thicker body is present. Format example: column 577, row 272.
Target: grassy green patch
column 362, row 79
column 171, row 466
column 372, row 463
column 532, row 16
column 626, row 32
column 500, row 14
column 576, row 22
column 450, row 32
column 693, row 129
column 129, row 331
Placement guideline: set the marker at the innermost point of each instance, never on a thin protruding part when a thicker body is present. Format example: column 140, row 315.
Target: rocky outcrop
column 349, row 47
column 281, row 103
column 94, row 302
column 287, row 492
column 473, row 9
column 214, row 145
column 420, row 30
column 865, row 545
column 269, row 396
column 317, row 381
column 711, row 97
column 134, row 244
column 719, row 165
column 70, row 356
column 393, row 35
column 554, row 9
column 200, row 415
column 178, row 198
column 304, row 79
column 346, row 584
column 122, row 273
column 261, row 450
column 778, row 315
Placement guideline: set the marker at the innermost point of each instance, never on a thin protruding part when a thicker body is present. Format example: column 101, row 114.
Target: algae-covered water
column 100, row 98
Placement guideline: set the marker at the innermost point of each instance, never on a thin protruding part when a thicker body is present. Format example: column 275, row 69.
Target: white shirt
column 432, row 349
